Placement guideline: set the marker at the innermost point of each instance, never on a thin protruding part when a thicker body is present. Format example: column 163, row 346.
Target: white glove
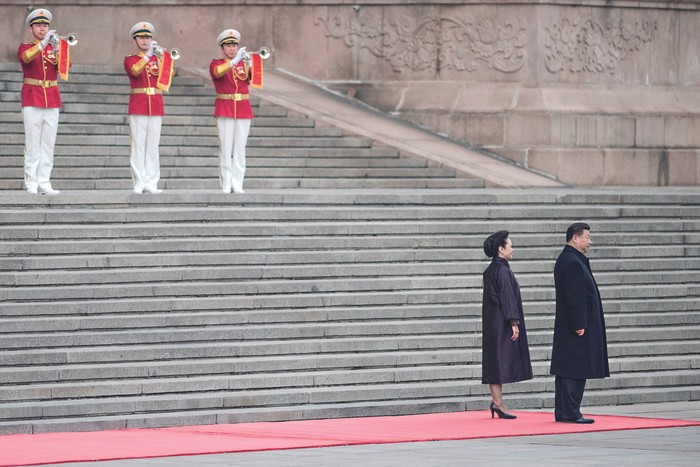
column 47, row 38
column 239, row 56
column 151, row 50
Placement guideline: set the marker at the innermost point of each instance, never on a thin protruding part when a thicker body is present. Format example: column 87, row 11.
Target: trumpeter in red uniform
column 41, row 101
column 146, row 109
column 234, row 115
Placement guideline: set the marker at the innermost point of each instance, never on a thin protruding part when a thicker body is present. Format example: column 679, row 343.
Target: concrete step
column 271, row 332
column 442, row 350
column 211, row 162
column 19, row 241
column 231, row 398
column 537, row 319
column 318, row 411
column 173, row 309
column 221, row 378
column 634, row 309
column 251, row 224
column 209, row 131
column 241, row 288
column 211, row 184
column 178, row 176
column 94, row 124
column 244, row 209
column 123, row 139
column 144, row 360
column 218, row 272
column 104, row 156
column 303, row 300
column 455, row 259
column 80, row 378
column 614, row 201
column 95, row 370
column 258, row 221
column 267, row 118
column 324, row 279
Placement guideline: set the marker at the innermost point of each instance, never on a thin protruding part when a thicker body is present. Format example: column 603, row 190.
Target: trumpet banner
column 63, row 59
column 166, row 72
column 256, row 74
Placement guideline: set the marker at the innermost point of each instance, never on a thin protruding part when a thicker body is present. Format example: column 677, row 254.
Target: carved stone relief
column 435, row 42
column 588, row 45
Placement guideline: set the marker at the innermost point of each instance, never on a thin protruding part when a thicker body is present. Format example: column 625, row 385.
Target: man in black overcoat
column 580, row 349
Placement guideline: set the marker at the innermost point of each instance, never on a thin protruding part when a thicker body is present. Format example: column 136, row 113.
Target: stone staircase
column 193, row 307
column 285, row 149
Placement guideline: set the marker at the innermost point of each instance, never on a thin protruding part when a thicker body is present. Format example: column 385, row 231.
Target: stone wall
column 592, row 92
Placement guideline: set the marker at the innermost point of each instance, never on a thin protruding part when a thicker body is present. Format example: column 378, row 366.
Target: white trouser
column 40, row 128
column 233, row 135
column 145, row 138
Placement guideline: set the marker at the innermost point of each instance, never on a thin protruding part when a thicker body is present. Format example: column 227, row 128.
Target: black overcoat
column 503, row 361
column 578, row 307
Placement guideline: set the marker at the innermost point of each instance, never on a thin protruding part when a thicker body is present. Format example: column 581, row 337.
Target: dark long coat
column 578, row 307
column 503, row 361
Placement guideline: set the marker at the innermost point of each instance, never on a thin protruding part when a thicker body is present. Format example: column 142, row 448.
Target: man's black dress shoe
column 587, row 421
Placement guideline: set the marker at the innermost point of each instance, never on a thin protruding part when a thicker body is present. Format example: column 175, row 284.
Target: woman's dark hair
column 494, row 242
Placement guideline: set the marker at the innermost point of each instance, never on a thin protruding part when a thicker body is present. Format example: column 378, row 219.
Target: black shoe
column 586, row 421
column 501, row 414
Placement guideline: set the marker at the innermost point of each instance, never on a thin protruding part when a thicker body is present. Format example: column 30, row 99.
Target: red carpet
column 54, row 448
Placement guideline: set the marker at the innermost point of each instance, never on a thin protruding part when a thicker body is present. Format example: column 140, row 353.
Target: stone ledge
column 617, row 167
column 628, row 135
column 455, row 97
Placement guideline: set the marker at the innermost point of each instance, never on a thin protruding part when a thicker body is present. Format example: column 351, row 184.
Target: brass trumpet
column 264, row 53
column 174, row 53
column 71, row 38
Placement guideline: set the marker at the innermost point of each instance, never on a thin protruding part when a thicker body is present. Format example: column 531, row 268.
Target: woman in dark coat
column 505, row 354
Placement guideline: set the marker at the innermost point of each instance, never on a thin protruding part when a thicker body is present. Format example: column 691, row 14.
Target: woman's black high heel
column 501, row 414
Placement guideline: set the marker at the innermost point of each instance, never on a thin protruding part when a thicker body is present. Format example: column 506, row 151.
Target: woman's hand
column 516, row 333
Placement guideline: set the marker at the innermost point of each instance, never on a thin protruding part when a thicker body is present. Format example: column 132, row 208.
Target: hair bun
column 494, row 242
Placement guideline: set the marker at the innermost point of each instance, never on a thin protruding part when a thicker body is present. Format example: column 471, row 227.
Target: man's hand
column 151, row 50
column 239, row 56
column 580, row 332
column 47, row 38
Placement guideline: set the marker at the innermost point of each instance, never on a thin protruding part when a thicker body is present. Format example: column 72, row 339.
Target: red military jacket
column 40, row 69
column 143, row 77
column 231, row 84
